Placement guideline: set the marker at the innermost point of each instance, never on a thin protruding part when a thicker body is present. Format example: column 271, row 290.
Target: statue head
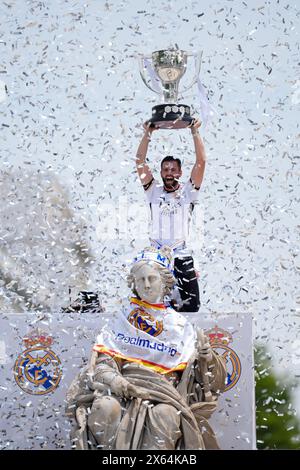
column 151, row 277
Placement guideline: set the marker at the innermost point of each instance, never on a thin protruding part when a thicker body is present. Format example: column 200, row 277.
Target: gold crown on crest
column 219, row 336
column 37, row 337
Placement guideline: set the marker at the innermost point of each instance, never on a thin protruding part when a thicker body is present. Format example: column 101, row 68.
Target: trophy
column 165, row 69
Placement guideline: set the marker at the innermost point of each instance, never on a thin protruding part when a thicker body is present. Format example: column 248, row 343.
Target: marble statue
column 153, row 380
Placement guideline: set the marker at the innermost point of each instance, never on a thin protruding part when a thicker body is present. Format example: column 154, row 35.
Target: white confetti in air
column 73, row 91
column 2, row 91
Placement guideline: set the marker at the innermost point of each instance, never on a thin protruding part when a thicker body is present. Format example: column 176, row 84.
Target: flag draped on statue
column 153, row 335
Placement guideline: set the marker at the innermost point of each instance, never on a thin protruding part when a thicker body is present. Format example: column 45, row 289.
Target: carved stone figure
column 153, row 380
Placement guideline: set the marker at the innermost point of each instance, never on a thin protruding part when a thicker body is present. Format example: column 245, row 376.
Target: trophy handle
column 198, row 57
column 143, row 74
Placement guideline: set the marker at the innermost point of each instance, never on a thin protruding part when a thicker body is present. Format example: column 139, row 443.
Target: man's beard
column 171, row 183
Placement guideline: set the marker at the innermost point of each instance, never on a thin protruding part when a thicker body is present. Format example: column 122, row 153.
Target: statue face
column 148, row 284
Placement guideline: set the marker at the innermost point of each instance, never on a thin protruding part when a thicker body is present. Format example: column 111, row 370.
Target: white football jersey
column 170, row 214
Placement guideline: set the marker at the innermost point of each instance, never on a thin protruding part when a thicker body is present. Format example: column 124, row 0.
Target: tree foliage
column 276, row 420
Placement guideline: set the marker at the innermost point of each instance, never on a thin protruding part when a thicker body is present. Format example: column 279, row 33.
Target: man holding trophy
column 172, row 202
column 171, row 205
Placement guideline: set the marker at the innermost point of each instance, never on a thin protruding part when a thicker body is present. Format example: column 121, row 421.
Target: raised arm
column 142, row 167
column 199, row 167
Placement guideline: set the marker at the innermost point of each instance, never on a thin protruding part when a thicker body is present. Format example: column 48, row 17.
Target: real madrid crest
column 37, row 370
column 143, row 321
column 219, row 340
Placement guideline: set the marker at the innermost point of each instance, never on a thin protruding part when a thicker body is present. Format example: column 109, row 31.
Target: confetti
column 72, row 106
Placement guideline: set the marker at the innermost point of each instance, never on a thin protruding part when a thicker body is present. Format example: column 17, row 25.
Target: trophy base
column 171, row 116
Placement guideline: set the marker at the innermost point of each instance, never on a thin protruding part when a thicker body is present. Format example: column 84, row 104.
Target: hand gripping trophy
column 168, row 67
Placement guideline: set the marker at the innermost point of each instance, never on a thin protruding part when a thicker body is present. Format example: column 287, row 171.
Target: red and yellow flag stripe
column 100, row 348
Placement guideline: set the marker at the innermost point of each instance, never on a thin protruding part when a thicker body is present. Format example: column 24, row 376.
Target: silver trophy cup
column 161, row 72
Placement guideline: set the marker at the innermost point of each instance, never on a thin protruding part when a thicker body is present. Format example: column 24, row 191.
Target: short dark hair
column 169, row 158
